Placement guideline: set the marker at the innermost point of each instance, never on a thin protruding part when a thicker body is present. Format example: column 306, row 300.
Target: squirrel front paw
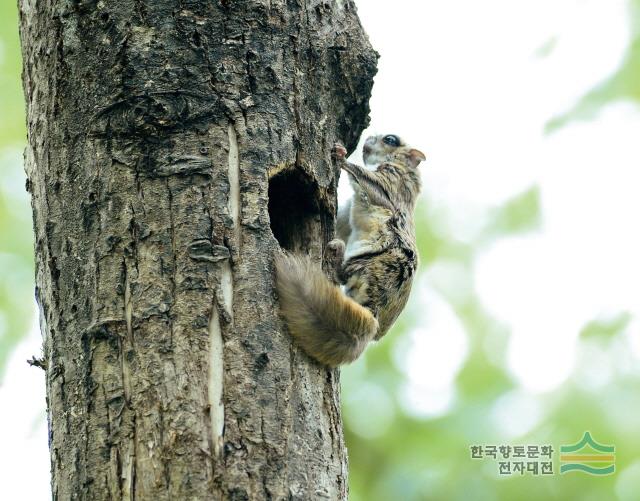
column 339, row 151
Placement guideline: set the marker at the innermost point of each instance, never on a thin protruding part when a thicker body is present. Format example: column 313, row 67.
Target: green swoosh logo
column 587, row 440
column 587, row 469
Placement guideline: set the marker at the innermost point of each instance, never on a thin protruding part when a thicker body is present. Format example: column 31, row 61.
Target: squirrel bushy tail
column 328, row 325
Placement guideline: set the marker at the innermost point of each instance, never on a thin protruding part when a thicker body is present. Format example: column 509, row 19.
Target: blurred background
column 524, row 323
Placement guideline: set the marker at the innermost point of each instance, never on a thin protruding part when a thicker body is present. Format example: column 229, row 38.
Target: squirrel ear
column 417, row 156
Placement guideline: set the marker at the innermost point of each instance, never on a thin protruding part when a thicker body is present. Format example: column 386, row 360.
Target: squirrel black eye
column 391, row 140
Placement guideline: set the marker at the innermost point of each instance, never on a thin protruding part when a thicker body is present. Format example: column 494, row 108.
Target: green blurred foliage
column 520, row 214
column 622, row 85
column 428, row 458
column 16, row 241
column 412, row 458
column 606, row 329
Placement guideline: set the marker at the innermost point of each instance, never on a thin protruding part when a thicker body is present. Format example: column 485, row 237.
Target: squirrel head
column 390, row 148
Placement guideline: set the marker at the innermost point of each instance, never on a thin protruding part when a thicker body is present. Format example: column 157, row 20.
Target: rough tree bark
column 173, row 146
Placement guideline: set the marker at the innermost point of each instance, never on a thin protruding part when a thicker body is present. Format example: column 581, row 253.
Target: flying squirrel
column 376, row 267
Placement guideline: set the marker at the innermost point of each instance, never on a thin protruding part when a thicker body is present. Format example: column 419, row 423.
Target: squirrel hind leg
column 337, row 247
column 334, row 260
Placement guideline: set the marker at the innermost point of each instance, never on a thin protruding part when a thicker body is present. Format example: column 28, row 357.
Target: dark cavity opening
column 294, row 213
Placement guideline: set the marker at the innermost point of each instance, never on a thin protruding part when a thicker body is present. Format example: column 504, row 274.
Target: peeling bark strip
column 169, row 143
column 216, row 348
column 216, row 376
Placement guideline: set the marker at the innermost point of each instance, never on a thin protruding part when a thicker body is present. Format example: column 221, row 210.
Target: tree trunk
column 173, row 146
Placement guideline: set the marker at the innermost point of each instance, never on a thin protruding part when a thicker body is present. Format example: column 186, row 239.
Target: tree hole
column 294, row 212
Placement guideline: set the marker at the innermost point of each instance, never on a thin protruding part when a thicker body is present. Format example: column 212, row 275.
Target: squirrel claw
column 339, row 151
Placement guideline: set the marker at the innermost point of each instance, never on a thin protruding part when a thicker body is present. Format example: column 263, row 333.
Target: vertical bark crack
column 234, row 182
column 128, row 454
column 216, row 373
column 216, row 343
